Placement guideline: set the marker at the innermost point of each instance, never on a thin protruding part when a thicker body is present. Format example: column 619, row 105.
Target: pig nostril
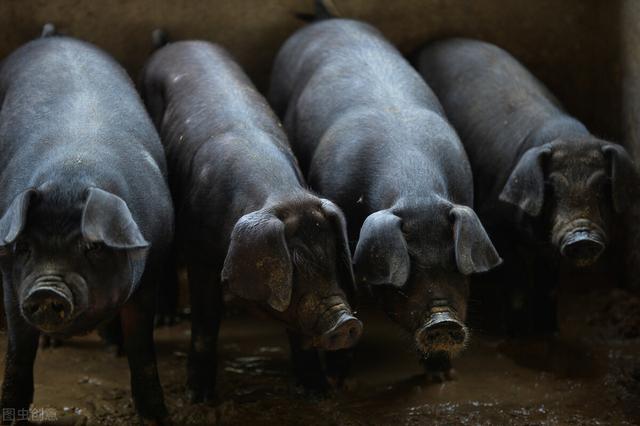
column 58, row 308
column 457, row 336
column 453, row 336
column 583, row 246
column 48, row 308
column 343, row 336
column 443, row 332
column 353, row 333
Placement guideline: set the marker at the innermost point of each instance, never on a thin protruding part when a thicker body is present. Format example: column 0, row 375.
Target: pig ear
column 107, row 219
column 525, row 186
column 345, row 267
column 15, row 218
column 474, row 251
column 381, row 254
column 258, row 265
column 623, row 175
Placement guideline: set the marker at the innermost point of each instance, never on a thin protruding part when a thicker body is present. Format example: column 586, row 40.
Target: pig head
column 295, row 262
column 574, row 187
column 72, row 259
column 417, row 261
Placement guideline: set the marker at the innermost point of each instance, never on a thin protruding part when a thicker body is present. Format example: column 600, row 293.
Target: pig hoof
column 47, row 342
column 114, row 349
column 341, row 383
column 441, row 376
column 335, row 382
column 314, row 388
column 166, row 320
column 197, row 396
column 314, row 394
column 194, row 396
column 155, row 422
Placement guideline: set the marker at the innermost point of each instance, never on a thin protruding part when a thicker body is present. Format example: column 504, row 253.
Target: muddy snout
column 49, row 304
column 341, row 329
column 583, row 246
column 442, row 332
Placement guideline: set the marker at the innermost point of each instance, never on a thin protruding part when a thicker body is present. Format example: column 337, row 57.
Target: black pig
column 86, row 211
column 540, row 176
column 371, row 136
column 245, row 218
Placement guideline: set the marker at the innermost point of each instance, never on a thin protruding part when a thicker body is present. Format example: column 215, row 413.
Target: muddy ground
column 588, row 374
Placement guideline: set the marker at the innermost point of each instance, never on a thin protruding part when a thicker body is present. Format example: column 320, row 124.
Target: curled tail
column 48, row 30
column 324, row 9
column 159, row 38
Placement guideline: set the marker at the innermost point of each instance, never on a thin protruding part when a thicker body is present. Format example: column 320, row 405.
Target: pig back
column 71, row 118
column 494, row 103
column 336, row 67
column 220, row 135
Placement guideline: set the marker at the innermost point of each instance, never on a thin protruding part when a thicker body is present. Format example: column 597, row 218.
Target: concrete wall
column 630, row 100
column 630, row 54
column 571, row 44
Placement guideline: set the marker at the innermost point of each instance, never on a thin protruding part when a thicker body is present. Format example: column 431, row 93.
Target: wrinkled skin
column 578, row 199
column 85, row 211
column 396, row 168
column 245, row 219
column 542, row 180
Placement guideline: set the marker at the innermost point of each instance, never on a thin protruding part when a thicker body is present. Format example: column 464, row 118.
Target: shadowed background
column 572, row 45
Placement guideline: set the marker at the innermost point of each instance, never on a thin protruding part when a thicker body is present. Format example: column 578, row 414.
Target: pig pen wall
column 572, row 45
column 630, row 100
column 577, row 47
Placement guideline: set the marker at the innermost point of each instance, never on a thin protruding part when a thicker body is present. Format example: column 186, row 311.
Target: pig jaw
column 581, row 241
column 52, row 301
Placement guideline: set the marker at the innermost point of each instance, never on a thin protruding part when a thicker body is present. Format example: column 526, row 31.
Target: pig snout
column 442, row 332
column 339, row 329
column 582, row 244
column 344, row 334
column 50, row 305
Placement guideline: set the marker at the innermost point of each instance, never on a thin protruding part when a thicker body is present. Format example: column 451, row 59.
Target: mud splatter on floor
column 561, row 380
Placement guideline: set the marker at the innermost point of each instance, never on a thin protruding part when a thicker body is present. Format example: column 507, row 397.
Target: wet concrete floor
column 572, row 379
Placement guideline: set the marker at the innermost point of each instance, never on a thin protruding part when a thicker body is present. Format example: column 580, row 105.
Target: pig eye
column 94, row 250
column 21, row 248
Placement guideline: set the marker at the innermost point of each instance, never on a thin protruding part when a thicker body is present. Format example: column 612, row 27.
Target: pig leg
column 206, row 314
column 532, row 282
column 137, row 330
column 47, row 342
column 111, row 334
column 307, row 366
column 508, row 301
column 22, row 345
column 543, row 297
column 168, row 293
column 338, row 364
